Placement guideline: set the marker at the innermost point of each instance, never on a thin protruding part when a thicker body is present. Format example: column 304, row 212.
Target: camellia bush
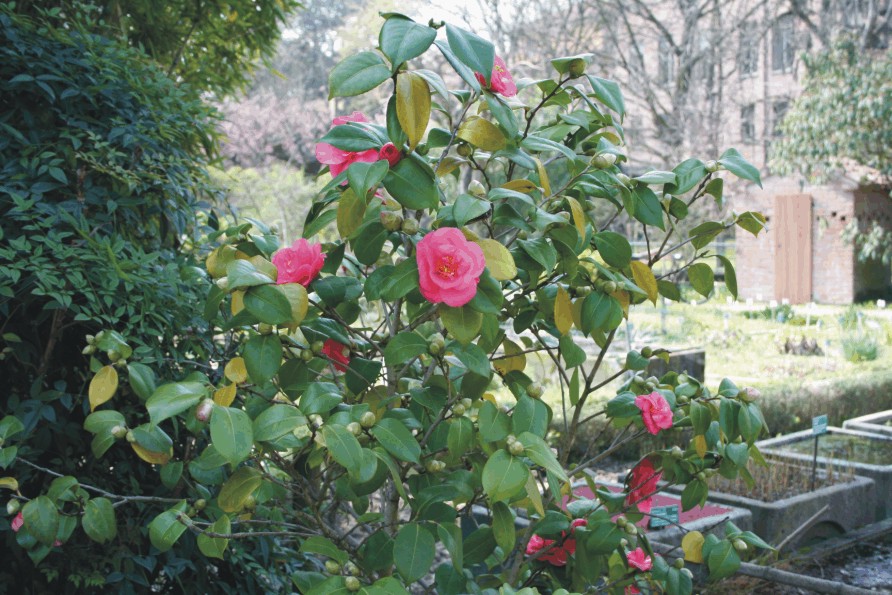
column 372, row 410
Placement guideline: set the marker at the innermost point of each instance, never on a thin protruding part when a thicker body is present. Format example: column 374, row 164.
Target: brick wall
column 833, row 271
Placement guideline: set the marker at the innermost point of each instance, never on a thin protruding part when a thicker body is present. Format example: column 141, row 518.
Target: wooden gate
column 793, row 248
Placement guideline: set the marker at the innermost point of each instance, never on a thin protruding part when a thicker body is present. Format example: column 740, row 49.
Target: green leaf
column 694, row 494
column 704, row 233
column 10, row 426
column 402, row 39
column 734, row 162
column 493, row 424
column 213, row 547
column 504, row 476
column 411, row 182
column 172, row 399
column 99, row 520
column 401, row 281
column 478, row 546
column 578, row 62
column 41, row 519
column 689, row 173
column 343, row 446
column 268, row 304
column 451, row 537
column 100, row 422
column 231, row 433
column 276, row 422
column 357, row 74
column 403, row 348
column 540, row 453
column 648, row 209
column 413, row 551
column 503, row 527
column 142, row 380
column 473, row 357
column 324, row 546
column 752, row 222
column 530, row 415
column 362, row 373
column 657, row 177
column 467, row 208
column 604, row 537
column 166, row 529
column 397, row 440
column 460, row 436
column 335, row 290
column 242, row 273
column 263, row 357
column 613, row 248
column 464, row 323
column 541, row 251
column 723, row 560
column 738, row 453
column 608, row 93
column 354, row 136
column 363, row 177
column 702, row 278
column 475, row 52
column 730, row 275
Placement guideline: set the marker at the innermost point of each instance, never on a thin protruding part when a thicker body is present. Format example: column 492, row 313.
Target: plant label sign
column 662, row 516
column 819, row 425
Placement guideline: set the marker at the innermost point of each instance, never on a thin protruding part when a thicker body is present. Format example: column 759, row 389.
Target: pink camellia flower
column 299, row 263
column 556, row 556
column 18, row 521
column 643, row 485
column 390, row 153
column 337, row 159
column 449, row 267
column 632, row 590
column 638, row 559
column 501, row 81
column 337, row 353
column 655, row 412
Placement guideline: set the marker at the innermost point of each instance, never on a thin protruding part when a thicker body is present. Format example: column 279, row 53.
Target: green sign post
column 661, row 516
column 818, row 426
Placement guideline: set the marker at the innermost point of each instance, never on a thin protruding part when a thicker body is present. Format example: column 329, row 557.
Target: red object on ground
column 662, row 500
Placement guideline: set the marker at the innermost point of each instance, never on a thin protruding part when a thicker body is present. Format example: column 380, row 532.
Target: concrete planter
column 852, row 504
column 875, row 423
column 880, row 474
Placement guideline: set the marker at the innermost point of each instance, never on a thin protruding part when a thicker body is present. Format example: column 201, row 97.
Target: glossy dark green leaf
column 357, row 74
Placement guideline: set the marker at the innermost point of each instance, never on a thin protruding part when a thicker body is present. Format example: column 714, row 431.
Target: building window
column 748, row 56
column 778, row 111
column 782, row 44
column 748, row 123
column 666, row 66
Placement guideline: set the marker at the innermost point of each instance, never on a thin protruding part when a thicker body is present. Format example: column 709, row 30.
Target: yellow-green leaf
column 522, row 185
column 413, row 106
column 449, row 165
column 482, row 133
column 149, row 456
column 297, row 297
column 644, row 278
column 543, row 177
column 225, row 395
column 498, row 260
column 235, row 370
column 10, row 483
column 563, row 311
column 238, row 488
column 692, row 545
column 351, row 209
column 103, row 386
column 514, row 359
column 238, row 301
column 700, row 445
column 578, row 215
column 533, row 494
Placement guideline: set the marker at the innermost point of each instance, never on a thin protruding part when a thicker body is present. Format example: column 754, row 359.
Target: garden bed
column 878, row 423
column 869, row 455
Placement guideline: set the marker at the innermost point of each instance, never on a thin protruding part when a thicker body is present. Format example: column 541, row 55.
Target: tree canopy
column 842, row 119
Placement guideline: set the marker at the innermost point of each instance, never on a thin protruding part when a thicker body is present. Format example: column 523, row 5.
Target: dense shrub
column 103, row 195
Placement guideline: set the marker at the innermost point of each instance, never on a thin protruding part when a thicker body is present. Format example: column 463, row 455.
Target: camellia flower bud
column 711, row 166
column 316, row 420
column 391, row 220
column 354, row 428
column 352, row 583
column 676, row 452
column 458, row 409
column 201, row 504
column 739, row 545
column 332, row 567
column 678, row 563
column 306, row 355
column 749, row 394
column 89, row 350
column 535, row 390
column 367, row 420
column 352, row 568
column 223, row 283
column 113, row 355
column 203, row 411
column 647, row 351
column 410, row 226
column 119, row 432
column 13, row 506
column 475, row 188
column 624, row 179
column 130, row 436
column 576, row 68
column 465, row 150
column 516, row 448
column 603, row 160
